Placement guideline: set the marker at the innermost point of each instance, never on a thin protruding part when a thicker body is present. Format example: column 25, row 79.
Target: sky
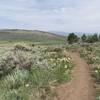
column 51, row 15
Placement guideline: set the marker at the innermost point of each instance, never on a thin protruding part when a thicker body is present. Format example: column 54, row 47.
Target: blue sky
column 51, row 15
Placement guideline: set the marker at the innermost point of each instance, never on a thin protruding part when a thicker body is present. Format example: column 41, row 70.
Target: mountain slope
column 31, row 35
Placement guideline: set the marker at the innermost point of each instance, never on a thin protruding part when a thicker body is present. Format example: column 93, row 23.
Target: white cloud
column 62, row 15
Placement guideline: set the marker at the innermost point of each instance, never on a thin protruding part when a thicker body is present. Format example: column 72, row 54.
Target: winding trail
column 81, row 85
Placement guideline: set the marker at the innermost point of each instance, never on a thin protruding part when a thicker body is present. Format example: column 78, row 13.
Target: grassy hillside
column 29, row 35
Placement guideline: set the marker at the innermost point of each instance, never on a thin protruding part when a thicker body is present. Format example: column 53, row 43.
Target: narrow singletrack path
column 81, row 85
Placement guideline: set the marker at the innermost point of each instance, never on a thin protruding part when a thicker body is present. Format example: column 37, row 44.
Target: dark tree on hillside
column 89, row 39
column 95, row 37
column 92, row 38
column 72, row 38
column 84, row 37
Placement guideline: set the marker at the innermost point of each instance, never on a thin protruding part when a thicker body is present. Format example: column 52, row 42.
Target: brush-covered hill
column 29, row 35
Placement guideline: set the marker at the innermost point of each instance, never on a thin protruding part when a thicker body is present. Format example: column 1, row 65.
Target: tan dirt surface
column 81, row 85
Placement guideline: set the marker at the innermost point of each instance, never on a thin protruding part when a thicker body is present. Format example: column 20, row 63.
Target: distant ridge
column 77, row 33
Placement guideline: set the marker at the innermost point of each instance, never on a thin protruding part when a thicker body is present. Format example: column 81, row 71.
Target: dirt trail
column 81, row 85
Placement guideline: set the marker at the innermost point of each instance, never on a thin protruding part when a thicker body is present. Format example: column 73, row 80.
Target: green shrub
column 16, row 59
column 21, row 47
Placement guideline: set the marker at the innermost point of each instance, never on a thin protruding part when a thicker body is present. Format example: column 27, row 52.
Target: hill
column 29, row 35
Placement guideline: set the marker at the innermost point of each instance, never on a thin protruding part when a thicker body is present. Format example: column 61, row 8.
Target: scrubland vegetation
column 31, row 72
